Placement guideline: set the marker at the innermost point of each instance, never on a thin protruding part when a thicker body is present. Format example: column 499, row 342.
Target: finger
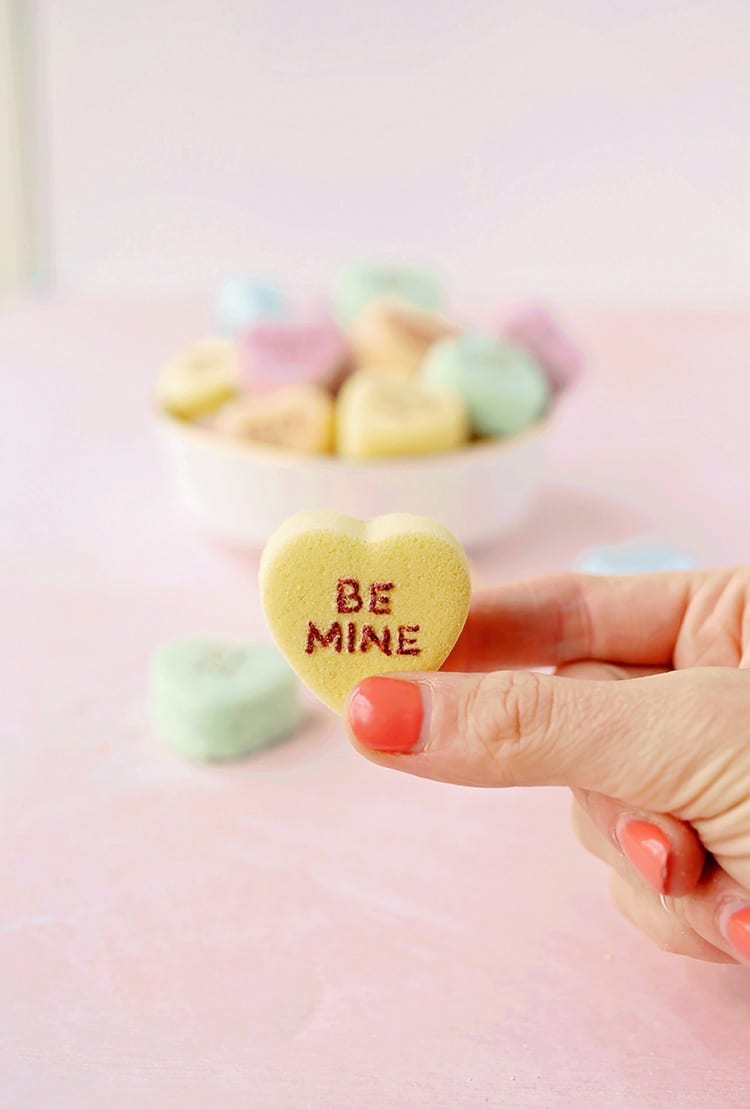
column 633, row 619
column 671, row 932
column 719, row 911
column 644, row 741
column 665, row 851
column 590, row 838
column 637, row 901
column 607, row 848
column 605, row 671
column 680, row 871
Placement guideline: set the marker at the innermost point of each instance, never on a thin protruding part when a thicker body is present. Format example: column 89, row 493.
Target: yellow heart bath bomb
column 197, row 381
column 378, row 416
column 346, row 599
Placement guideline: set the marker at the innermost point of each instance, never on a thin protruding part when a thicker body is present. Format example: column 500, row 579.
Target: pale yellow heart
column 197, row 381
column 346, row 599
column 380, row 416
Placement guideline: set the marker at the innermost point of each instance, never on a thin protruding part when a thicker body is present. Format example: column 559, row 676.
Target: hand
column 673, row 739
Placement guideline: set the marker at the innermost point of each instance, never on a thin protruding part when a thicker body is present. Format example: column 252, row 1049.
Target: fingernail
column 647, row 848
column 734, row 923
column 388, row 715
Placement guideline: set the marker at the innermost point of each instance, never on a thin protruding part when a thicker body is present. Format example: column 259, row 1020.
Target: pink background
column 578, row 148
column 305, row 928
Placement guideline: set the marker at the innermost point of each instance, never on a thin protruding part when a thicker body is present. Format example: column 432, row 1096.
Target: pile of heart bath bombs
column 382, row 371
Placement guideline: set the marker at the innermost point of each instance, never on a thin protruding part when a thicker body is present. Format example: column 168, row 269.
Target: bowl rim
column 208, row 438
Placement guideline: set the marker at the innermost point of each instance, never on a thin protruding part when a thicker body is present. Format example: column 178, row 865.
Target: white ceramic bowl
column 242, row 492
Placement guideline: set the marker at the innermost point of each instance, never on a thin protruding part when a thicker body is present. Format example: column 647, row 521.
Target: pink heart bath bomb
column 277, row 353
column 536, row 329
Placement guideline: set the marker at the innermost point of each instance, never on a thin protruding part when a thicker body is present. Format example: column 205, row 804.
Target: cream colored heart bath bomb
column 391, row 336
column 296, row 417
column 346, row 599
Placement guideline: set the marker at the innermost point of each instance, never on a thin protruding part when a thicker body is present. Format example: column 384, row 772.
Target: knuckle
column 505, row 716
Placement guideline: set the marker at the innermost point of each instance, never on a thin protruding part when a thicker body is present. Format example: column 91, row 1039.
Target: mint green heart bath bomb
column 503, row 387
column 218, row 701
column 362, row 282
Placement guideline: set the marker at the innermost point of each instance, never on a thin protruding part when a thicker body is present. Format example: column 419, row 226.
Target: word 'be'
column 349, row 600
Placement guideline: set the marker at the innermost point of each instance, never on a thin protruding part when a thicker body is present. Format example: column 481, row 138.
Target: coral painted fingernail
column 647, row 848
column 735, row 925
column 387, row 715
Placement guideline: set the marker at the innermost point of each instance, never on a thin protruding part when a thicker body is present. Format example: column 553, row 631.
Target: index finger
column 632, row 619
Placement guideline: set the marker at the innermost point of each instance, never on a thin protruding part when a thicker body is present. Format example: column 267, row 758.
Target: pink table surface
column 306, row 929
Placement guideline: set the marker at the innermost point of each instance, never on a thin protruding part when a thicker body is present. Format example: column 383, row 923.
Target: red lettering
column 350, row 601
column 380, row 602
column 331, row 638
column 351, row 637
column 370, row 636
column 407, row 645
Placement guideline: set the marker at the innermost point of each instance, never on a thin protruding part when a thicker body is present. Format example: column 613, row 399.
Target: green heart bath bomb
column 217, row 701
column 503, row 387
column 359, row 283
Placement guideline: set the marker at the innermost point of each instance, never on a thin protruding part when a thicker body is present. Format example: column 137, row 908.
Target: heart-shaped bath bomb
column 539, row 332
column 346, row 599
column 503, row 387
column 381, row 416
column 634, row 556
column 391, row 336
column 295, row 417
column 242, row 301
column 361, row 282
column 218, row 701
column 197, row 381
column 279, row 352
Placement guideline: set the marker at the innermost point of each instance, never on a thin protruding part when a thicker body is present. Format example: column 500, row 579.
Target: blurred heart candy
column 501, row 384
column 391, row 336
column 197, row 381
column 533, row 327
column 634, row 556
column 296, row 417
column 379, row 415
column 362, row 282
column 216, row 701
column 243, row 301
column 276, row 353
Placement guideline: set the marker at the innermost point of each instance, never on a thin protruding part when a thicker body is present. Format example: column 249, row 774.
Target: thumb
column 639, row 740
